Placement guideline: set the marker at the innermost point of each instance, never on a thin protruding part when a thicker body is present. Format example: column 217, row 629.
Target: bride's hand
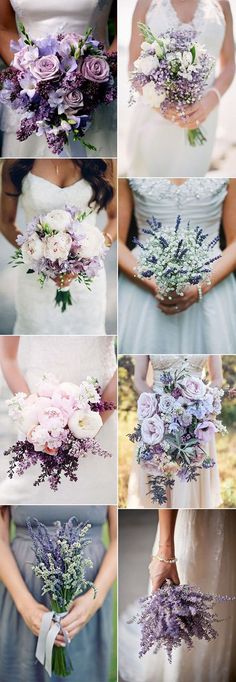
column 193, row 116
column 178, row 304
column 160, row 572
column 64, row 280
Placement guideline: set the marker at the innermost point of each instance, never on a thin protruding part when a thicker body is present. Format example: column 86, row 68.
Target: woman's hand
column 193, row 116
column 64, row 280
column 32, row 613
column 177, row 304
column 82, row 610
column 160, row 572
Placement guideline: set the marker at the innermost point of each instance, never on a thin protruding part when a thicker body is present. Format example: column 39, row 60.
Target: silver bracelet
column 200, row 294
column 217, row 93
column 165, row 561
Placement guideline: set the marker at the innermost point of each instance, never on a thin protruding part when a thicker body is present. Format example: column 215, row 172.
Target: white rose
column 32, row 250
column 151, row 96
column 57, row 220
column 85, row 424
column 146, row 64
column 93, row 244
column 58, row 247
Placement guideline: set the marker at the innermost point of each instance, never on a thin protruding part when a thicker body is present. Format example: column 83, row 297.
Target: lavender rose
column 23, row 58
column 147, row 404
column 152, row 430
column 205, row 431
column 193, row 388
column 95, row 69
column 45, row 68
column 73, row 101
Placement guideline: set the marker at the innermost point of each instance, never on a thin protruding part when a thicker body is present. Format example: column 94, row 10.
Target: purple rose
column 45, row 68
column 147, row 404
column 152, row 430
column 205, row 431
column 73, row 100
column 95, row 69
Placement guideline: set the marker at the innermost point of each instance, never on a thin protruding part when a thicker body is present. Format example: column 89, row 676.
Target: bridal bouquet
column 58, row 424
column 173, row 71
column 176, row 258
column 56, row 84
column 175, row 615
column 59, row 243
column 173, row 428
column 61, row 564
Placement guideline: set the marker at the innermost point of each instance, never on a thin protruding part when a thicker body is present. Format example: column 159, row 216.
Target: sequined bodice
column 195, row 363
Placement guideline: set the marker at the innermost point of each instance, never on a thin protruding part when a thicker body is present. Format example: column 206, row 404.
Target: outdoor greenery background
column 226, row 444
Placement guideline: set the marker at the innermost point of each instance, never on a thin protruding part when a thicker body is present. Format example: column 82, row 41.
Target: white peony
column 85, row 424
column 151, row 96
column 93, row 244
column 58, row 220
column 57, row 247
column 147, row 64
column 32, row 250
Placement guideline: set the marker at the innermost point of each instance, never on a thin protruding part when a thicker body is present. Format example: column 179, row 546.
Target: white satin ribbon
column 50, row 628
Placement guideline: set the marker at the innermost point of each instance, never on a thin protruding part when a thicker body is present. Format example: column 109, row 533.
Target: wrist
column 166, row 550
column 24, row 603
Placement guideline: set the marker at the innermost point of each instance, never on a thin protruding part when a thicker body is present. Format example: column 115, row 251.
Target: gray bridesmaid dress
column 90, row 650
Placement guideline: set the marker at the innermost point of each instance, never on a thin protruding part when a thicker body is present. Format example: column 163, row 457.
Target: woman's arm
column 139, row 14
column 111, row 226
column 161, row 571
column 8, row 207
column 140, row 374
column 9, row 364
column 8, row 30
column 85, row 607
column 127, row 261
column 110, row 395
column 215, row 370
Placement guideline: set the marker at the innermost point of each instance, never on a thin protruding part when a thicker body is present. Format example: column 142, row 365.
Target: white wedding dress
column 35, row 307
column 204, row 546
column 156, row 146
column 63, row 16
column 70, row 359
column 204, row 493
column 208, row 326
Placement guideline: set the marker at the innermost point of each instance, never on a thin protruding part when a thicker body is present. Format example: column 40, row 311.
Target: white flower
column 93, row 244
column 57, row 220
column 87, row 391
column 146, row 47
column 16, row 405
column 147, row 64
column 151, row 96
column 187, row 59
column 159, row 49
column 57, row 247
column 32, row 249
column 69, row 389
column 85, row 424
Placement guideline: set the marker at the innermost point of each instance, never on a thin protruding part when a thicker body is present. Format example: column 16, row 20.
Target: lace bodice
column 198, row 200
column 40, row 196
column 196, row 365
column 55, row 16
column 71, row 358
column 208, row 22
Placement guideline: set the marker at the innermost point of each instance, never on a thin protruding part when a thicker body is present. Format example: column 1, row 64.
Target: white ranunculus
column 57, row 247
column 147, row 64
column 85, row 424
column 32, row 250
column 58, row 220
column 93, row 244
column 151, row 96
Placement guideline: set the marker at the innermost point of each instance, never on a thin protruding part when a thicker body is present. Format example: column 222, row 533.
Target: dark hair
column 92, row 170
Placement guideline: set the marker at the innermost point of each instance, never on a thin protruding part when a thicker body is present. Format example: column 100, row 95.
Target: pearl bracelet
column 165, row 561
column 217, row 93
column 200, row 294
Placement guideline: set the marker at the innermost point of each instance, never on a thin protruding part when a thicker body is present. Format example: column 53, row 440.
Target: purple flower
column 205, row 431
column 25, row 57
column 45, row 68
column 73, row 100
column 95, row 69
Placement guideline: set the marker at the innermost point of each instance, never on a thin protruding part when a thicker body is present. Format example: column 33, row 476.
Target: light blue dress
column 90, row 650
column 207, row 327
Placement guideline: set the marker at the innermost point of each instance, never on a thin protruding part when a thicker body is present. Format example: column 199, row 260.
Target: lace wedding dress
column 158, row 147
column 70, row 359
column 63, row 16
column 204, row 546
column 201, row 494
column 208, row 326
column 35, row 307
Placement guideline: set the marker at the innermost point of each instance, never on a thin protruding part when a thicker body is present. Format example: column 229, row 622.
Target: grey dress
column 90, row 650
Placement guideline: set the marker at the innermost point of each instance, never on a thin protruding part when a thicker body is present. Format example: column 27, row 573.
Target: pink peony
column 52, row 418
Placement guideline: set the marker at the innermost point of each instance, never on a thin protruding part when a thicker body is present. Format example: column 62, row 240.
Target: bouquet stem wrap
column 50, row 628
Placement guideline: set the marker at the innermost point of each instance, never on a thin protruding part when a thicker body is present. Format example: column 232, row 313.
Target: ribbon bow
column 50, row 627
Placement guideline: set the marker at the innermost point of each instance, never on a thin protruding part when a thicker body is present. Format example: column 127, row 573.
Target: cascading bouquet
column 56, row 84
column 174, row 425
column 60, row 243
column 176, row 258
column 173, row 71
column 61, row 564
column 58, row 424
column 176, row 615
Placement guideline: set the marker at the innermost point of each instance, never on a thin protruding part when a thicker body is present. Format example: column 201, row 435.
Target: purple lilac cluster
column 176, row 615
column 174, row 426
column 173, row 70
column 56, row 83
column 60, row 243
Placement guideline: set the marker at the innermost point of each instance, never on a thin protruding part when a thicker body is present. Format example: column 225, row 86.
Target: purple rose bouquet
column 173, row 71
column 174, row 426
column 62, row 565
column 176, row 615
column 62, row 242
column 56, row 83
column 58, row 424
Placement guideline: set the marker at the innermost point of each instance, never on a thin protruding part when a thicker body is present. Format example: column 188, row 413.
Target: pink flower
column 147, row 404
column 205, row 431
column 193, row 388
column 45, row 68
column 152, row 430
column 52, row 418
column 64, row 402
column 38, row 436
